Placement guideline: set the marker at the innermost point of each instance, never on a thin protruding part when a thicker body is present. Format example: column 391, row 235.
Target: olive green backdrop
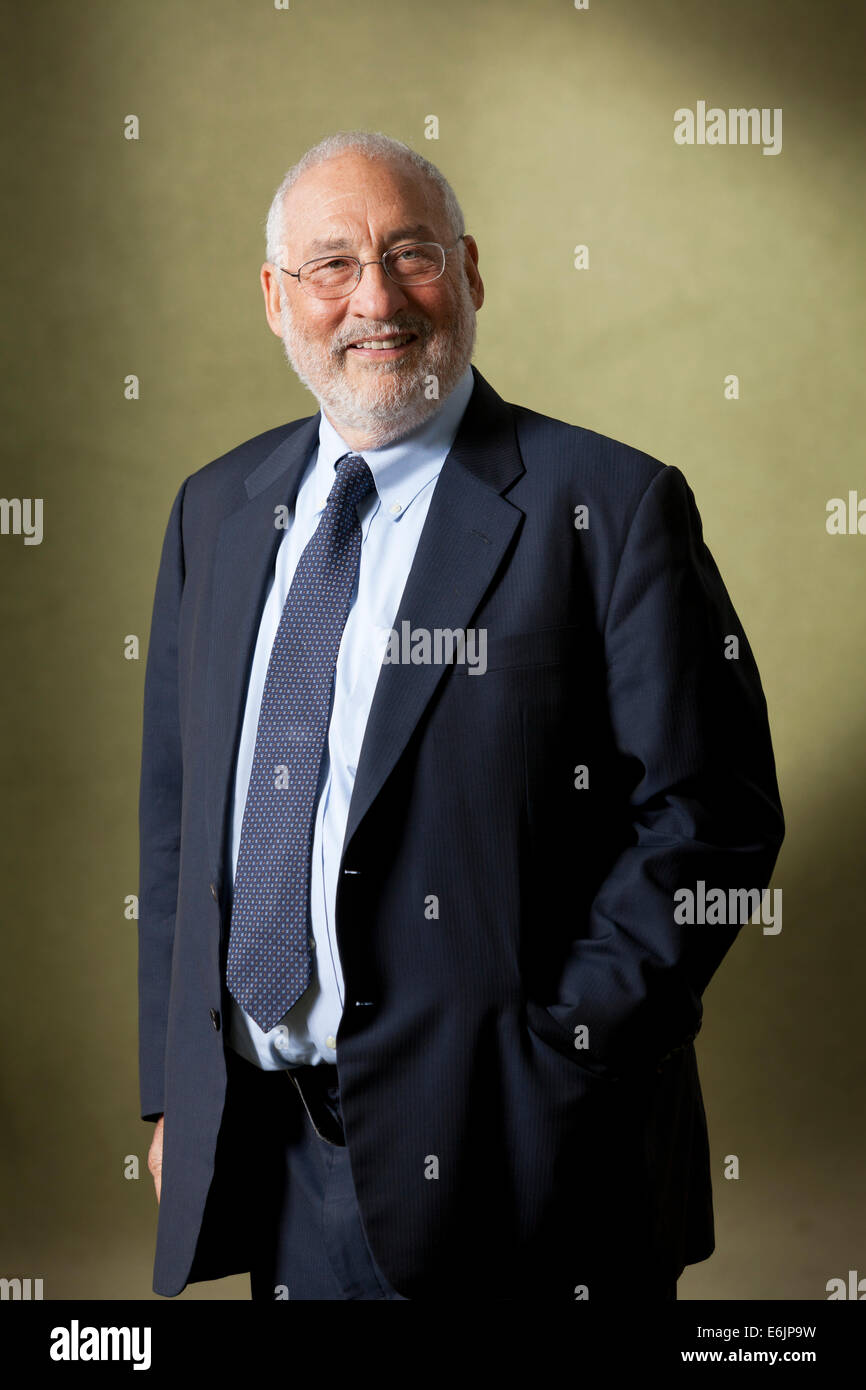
column 142, row 257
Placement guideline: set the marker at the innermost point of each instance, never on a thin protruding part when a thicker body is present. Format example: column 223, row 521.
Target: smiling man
column 416, row 1011
column 364, row 347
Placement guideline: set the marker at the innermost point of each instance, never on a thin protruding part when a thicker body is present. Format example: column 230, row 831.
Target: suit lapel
column 467, row 531
column 246, row 553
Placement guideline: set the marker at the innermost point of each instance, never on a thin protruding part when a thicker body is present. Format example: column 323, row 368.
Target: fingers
column 154, row 1156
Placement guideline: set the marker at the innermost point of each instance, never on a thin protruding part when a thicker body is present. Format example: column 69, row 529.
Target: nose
column 376, row 296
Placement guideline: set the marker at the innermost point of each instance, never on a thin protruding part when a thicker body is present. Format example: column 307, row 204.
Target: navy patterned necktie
column 268, row 966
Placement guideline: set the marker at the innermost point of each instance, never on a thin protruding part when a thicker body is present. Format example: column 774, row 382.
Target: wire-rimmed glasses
column 334, row 277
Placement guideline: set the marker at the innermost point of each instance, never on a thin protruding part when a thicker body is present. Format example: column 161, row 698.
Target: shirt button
column 396, row 509
column 312, row 942
column 331, row 1042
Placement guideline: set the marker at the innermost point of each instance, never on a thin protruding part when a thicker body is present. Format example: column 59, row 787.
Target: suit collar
column 405, row 467
column 487, row 424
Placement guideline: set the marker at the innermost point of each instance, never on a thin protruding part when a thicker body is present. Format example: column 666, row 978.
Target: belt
column 319, row 1089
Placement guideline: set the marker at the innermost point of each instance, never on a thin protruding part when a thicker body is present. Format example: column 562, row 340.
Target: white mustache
column 421, row 331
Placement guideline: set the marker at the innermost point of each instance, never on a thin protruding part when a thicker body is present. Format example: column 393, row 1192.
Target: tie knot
column 354, row 480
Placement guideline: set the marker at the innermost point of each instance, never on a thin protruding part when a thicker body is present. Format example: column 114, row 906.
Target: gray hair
column 376, row 146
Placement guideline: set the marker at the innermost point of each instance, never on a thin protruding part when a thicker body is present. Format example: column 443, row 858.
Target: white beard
column 393, row 400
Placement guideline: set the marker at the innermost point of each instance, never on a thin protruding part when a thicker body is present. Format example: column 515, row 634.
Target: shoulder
column 579, row 455
column 217, row 489
column 229, row 470
column 570, row 466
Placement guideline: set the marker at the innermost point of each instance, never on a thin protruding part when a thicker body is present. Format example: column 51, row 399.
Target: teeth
column 383, row 343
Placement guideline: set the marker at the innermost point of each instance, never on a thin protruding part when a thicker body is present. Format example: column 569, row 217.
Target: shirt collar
column 400, row 470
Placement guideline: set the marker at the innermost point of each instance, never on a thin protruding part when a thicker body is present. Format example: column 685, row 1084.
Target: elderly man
column 445, row 701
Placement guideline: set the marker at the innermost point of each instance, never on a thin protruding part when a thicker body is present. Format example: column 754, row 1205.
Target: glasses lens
column 413, row 265
column 330, row 276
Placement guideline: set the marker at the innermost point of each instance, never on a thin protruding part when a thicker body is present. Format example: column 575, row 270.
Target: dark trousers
column 310, row 1243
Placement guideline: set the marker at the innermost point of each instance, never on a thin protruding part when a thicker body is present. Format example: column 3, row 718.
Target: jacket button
column 215, row 1019
column 213, row 893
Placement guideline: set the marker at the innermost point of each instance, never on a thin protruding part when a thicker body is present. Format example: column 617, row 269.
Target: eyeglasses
column 334, row 277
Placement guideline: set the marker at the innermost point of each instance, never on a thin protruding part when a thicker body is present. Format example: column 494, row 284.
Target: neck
column 376, row 434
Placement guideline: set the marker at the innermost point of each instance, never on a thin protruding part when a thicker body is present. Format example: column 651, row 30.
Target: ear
column 270, row 278
column 470, row 261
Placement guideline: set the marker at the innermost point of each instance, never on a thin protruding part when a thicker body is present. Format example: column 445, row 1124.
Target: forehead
column 349, row 200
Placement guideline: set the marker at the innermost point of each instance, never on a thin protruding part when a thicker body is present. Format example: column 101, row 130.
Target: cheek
column 445, row 311
column 436, row 305
column 321, row 330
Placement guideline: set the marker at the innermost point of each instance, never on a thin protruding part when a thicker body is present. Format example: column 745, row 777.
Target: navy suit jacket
column 556, row 1165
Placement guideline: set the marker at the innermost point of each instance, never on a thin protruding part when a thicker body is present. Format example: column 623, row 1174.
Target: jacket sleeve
column 160, row 798
column 690, row 721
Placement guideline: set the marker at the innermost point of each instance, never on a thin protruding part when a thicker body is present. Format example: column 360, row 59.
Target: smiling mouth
column 383, row 344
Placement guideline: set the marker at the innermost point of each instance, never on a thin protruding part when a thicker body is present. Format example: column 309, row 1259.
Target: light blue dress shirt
column 391, row 519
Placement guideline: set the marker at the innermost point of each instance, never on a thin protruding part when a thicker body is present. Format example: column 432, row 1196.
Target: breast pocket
column 547, row 646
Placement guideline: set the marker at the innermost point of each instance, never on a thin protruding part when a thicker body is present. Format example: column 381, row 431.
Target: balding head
column 375, row 147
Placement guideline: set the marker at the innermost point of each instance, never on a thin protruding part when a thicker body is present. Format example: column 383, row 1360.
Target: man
column 445, row 702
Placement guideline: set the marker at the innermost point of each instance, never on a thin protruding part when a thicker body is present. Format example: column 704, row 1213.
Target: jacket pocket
column 540, row 1022
column 547, row 646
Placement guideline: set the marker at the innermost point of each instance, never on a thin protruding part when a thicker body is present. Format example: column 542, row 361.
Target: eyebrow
column 419, row 231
